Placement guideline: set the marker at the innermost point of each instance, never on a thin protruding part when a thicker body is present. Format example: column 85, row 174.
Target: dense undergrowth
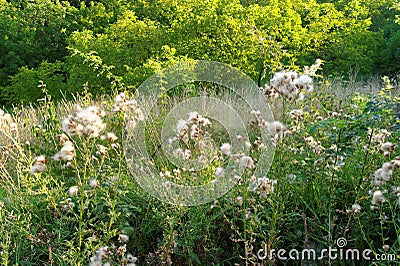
column 67, row 196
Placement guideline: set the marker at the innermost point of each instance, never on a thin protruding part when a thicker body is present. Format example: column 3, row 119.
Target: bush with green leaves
column 32, row 84
column 134, row 38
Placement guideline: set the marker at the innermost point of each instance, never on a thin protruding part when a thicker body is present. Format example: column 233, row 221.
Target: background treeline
column 99, row 46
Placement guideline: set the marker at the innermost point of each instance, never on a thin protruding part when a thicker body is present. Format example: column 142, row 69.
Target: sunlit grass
column 87, row 208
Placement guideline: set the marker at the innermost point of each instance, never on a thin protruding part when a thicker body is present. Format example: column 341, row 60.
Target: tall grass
column 326, row 188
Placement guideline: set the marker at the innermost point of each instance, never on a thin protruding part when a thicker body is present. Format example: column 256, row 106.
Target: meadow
column 69, row 195
column 199, row 132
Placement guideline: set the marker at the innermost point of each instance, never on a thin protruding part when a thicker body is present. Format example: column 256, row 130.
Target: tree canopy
column 109, row 43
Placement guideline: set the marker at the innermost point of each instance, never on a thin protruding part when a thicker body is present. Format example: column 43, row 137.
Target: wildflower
column 85, row 122
column 304, row 83
column 120, row 102
column 377, row 197
column 95, row 261
column 195, row 132
column 335, row 114
column 181, row 126
column 216, row 203
column 262, row 186
column 67, row 152
column 296, row 115
column 386, row 248
column 168, row 174
column 193, row 116
column 37, row 168
column 356, row 208
column 39, row 165
column 387, row 167
column 132, row 104
column 67, row 165
column 204, row 122
column 383, row 174
column 131, row 258
column 387, row 148
column 246, row 161
column 239, row 200
column 94, row 183
column 379, row 136
column 238, row 179
column 172, row 140
column 67, row 205
column 115, row 146
column 102, row 150
column 177, row 172
column 260, row 120
column 13, row 127
column 289, row 85
column 139, row 115
column 248, row 215
column 309, row 140
column 183, row 154
column 247, row 145
column 102, row 253
column 187, row 154
column 123, row 238
column 283, row 77
column 259, row 145
column 220, row 172
column 4, row 118
column 396, row 163
column 226, row 149
column 339, row 162
column 240, row 138
column 276, row 128
column 167, row 184
column 270, row 92
column 315, row 145
column 300, row 96
column 73, row 191
column 70, row 126
column 111, row 137
column 62, row 138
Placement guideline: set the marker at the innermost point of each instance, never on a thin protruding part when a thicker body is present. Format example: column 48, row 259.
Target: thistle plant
column 68, row 196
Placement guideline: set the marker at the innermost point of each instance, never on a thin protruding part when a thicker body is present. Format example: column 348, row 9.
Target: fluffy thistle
column 67, row 152
column 226, row 149
column 39, row 165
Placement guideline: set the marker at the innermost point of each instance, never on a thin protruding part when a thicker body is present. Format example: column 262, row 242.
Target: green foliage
column 33, row 32
column 258, row 37
column 27, row 86
column 45, row 222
